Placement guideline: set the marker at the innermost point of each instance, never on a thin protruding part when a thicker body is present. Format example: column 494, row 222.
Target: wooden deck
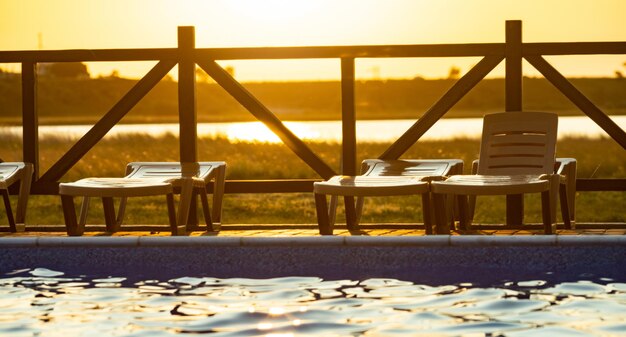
column 302, row 230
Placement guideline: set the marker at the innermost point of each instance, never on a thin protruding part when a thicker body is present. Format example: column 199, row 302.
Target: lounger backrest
column 519, row 142
column 419, row 168
column 164, row 170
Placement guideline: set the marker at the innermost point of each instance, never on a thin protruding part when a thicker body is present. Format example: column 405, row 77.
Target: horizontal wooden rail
column 306, row 186
column 271, row 186
column 89, row 55
column 574, row 48
column 433, row 50
column 153, row 54
column 232, row 186
column 259, row 53
column 597, row 185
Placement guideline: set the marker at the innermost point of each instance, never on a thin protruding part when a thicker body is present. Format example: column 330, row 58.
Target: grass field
column 601, row 158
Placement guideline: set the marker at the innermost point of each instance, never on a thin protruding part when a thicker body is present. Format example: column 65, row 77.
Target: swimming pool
column 384, row 286
column 43, row 302
column 436, row 259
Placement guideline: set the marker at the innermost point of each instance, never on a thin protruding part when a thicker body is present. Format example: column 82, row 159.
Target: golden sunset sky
column 96, row 24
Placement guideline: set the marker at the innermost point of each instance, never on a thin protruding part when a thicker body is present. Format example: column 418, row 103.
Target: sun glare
column 273, row 10
column 258, row 132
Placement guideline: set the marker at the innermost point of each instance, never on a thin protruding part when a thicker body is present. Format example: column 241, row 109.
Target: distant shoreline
column 73, row 121
column 15, row 121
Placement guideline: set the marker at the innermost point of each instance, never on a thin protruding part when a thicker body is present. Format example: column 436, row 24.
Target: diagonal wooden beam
column 578, row 98
column 100, row 129
column 263, row 114
column 447, row 101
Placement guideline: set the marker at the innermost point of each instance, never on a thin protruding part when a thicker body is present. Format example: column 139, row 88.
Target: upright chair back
column 518, row 143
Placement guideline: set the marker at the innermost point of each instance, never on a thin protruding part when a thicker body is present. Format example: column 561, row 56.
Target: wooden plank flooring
column 248, row 230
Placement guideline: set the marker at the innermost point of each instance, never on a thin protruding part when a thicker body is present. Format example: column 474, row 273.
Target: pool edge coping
column 315, row 241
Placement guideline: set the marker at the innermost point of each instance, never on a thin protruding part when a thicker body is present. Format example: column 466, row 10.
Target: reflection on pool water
column 42, row 302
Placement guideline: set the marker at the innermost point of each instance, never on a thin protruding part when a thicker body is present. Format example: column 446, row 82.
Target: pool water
column 43, row 302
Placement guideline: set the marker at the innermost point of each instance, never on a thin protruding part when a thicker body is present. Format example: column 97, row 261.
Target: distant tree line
column 76, row 70
column 65, row 98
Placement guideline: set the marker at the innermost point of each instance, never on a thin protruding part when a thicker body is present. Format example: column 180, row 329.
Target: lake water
column 367, row 131
column 43, row 302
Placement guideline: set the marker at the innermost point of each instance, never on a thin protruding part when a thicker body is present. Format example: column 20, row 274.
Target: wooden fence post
column 187, row 117
column 348, row 128
column 513, row 54
column 30, row 121
column 187, row 95
column 348, row 118
column 513, row 102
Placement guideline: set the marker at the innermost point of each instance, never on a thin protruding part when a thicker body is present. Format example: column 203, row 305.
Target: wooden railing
column 512, row 51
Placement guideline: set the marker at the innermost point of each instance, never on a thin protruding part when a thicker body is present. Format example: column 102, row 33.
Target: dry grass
column 601, row 158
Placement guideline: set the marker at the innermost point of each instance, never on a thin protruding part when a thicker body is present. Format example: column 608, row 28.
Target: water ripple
column 581, row 288
column 550, row 331
column 499, row 307
column 43, row 302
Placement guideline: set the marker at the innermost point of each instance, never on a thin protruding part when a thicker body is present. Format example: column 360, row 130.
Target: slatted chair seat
column 115, row 187
column 148, row 179
column 494, row 185
column 381, row 178
column 205, row 174
column 361, row 186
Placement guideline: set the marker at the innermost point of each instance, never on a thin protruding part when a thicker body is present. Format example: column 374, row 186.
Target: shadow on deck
column 301, row 230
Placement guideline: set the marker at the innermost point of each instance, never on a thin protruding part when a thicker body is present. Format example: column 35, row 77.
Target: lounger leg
column 84, row 209
column 472, row 207
column 464, row 211
column 69, row 213
column 564, row 207
column 218, row 193
column 548, row 203
column 515, row 209
column 121, row 210
column 570, row 173
column 427, row 210
column 548, row 226
column 210, row 226
column 325, row 227
column 24, row 193
column 442, row 222
column 359, row 209
column 192, row 223
column 109, row 214
column 332, row 210
column 171, row 212
column 350, row 213
column 186, row 191
column 7, row 206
